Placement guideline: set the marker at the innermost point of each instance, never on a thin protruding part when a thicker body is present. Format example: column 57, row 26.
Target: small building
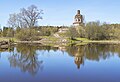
column 63, row 30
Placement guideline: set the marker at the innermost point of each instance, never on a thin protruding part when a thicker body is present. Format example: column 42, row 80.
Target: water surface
column 85, row 63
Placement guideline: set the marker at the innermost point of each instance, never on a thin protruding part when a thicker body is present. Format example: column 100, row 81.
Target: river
column 82, row 63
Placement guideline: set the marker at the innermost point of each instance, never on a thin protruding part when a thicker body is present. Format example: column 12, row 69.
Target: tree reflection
column 97, row 52
column 10, row 49
column 94, row 52
column 26, row 59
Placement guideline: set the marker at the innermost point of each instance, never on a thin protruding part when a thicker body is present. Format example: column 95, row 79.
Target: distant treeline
column 97, row 31
column 29, row 33
column 92, row 31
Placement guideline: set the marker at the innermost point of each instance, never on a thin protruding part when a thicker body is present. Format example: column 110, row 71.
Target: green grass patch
column 82, row 39
column 8, row 39
column 4, row 39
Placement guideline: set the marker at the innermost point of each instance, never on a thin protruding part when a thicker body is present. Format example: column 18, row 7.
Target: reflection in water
column 0, row 54
column 94, row 52
column 26, row 58
column 78, row 53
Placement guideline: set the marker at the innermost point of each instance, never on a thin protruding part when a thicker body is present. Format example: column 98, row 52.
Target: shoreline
column 61, row 44
column 105, row 42
column 76, row 42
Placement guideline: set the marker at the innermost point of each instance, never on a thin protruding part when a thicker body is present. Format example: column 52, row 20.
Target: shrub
column 27, row 34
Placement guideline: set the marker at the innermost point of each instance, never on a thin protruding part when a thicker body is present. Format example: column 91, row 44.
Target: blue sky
column 61, row 12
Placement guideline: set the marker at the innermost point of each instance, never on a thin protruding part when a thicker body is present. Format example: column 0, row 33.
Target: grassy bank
column 52, row 41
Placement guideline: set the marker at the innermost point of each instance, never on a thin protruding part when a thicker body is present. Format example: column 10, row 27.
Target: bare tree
column 30, row 16
column 13, row 20
column 26, row 18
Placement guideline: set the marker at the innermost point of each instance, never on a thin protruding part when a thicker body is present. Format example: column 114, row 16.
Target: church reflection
column 78, row 61
column 77, row 53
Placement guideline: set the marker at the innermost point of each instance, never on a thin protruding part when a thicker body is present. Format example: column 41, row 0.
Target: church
column 78, row 19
